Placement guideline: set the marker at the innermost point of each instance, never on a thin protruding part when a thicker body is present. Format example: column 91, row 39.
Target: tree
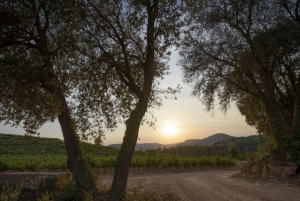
column 35, row 72
column 233, row 151
column 129, row 42
column 293, row 9
column 248, row 52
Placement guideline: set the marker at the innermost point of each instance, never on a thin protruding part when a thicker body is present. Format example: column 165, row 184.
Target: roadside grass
column 140, row 194
column 16, row 193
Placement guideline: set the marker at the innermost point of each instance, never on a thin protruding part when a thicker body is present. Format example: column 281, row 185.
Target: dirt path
column 209, row 185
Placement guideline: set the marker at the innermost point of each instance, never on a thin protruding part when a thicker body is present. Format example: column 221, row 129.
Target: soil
column 225, row 184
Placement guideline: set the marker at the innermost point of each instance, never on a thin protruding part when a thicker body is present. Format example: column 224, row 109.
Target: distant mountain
column 206, row 141
column 249, row 143
column 145, row 146
column 192, row 142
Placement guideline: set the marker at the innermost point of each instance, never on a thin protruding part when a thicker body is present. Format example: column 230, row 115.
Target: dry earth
column 210, row 185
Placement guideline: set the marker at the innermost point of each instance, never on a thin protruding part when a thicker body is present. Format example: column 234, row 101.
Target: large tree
column 130, row 43
column 248, row 52
column 37, row 72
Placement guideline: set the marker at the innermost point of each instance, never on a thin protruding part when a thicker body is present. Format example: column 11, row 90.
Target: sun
column 170, row 129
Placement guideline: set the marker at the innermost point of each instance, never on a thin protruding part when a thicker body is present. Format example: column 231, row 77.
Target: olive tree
column 248, row 52
column 129, row 45
column 38, row 73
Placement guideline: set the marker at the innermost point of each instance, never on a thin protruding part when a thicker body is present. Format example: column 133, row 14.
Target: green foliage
column 233, row 151
column 33, row 162
column 45, row 197
column 250, row 156
column 263, row 145
column 147, row 162
column 27, row 145
column 73, row 192
column 151, row 161
column 9, row 193
column 257, row 69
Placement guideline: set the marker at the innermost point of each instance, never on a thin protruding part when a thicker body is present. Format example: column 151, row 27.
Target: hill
column 19, row 145
column 206, row 141
column 192, row 142
column 216, row 144
column 220, row 148
column 145, row 146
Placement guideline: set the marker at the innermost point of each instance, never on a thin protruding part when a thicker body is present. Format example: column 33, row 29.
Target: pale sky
column 187, row 116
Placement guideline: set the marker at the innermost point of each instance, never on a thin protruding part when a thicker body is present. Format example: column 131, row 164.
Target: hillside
column 192, row 142
column 19, row 144
column 220, row 148
column 212, row 145
column 145, row 146
column 218, row 137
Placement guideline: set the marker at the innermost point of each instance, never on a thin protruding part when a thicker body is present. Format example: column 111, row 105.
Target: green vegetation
column 138, row 194
column 107, row 60
column 23, row 153
column 148, row 161
column 247, row 52
column 9, row 193
column 233, row 151
column 27, row 145
column 252, row 144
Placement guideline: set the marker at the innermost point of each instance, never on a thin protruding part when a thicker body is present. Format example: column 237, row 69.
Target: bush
column 233, row 151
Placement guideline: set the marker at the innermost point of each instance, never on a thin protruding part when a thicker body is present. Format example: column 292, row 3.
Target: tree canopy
column 247, row 52
column 92, row 64
column 127, row 47
column 35, row 67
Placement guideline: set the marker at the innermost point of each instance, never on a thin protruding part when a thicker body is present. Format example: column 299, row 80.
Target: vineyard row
column 106, row 163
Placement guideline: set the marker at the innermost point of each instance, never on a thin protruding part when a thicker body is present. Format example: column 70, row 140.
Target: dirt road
column 209, row 185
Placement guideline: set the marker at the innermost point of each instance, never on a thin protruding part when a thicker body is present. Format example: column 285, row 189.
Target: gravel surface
column 209, row 185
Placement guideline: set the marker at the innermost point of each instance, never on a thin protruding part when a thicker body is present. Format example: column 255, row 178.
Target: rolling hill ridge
column 218, row 137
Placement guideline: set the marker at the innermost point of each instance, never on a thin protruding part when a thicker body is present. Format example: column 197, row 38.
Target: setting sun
column 170, row 129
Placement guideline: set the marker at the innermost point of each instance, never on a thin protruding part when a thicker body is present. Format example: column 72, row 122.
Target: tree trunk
column 126, row 152
column 295, row 140
column 276, row 123
column 133, row 122
column 76, row 161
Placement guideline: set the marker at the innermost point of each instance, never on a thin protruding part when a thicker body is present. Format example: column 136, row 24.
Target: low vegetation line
column 140, row 162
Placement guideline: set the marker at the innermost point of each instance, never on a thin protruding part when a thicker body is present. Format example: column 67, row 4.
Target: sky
column 177, row 120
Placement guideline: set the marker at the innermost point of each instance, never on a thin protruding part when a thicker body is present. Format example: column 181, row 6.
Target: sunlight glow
column 170, row 129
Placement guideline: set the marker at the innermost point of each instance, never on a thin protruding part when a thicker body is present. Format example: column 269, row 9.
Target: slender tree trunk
column 76, row 161
column 295, row 140
column 133, row 122
column 126, row 152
